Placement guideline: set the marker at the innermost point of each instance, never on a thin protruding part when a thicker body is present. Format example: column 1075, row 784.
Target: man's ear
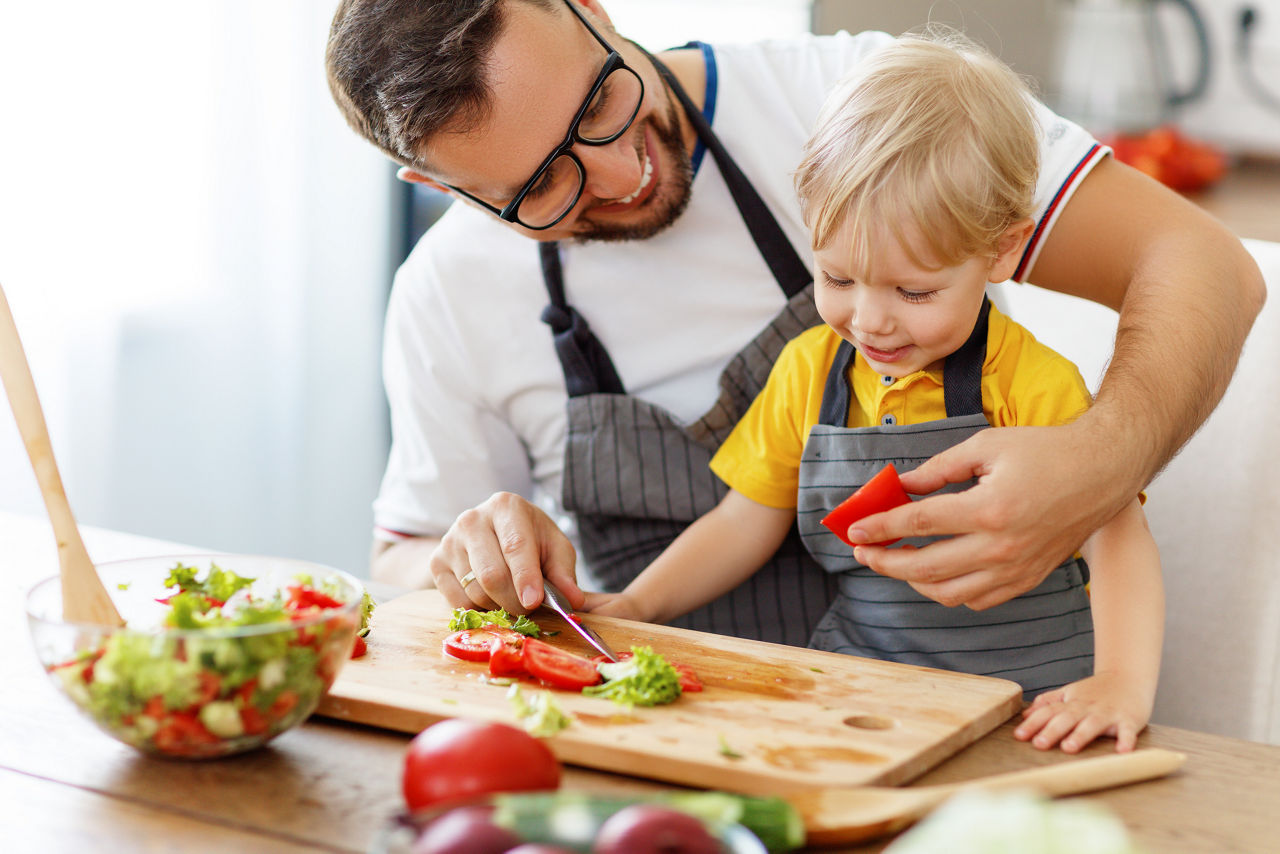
column 412, row 176
column 1009, row 249
column 597, row 11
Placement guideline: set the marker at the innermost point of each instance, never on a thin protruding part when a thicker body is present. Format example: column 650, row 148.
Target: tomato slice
column 689, row 680
column 473, row 644
column 558, row 668
column 506, row 658
column 883, row 492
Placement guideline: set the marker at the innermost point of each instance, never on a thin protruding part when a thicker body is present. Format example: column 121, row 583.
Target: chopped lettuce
column 539, row 715
column 465, row 618
column 644, row 679
column 219, row 583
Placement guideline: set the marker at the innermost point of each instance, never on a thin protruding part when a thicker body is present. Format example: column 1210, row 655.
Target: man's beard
column 668, row 201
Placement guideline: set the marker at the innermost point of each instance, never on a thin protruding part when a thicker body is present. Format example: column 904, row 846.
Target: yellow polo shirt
column 1024, row 383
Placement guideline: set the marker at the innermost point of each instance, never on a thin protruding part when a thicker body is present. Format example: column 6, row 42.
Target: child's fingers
column 1045, row 699
column 1034, row 721
column 1085, row 731
column 1047, row 726
column 1064, row 720
column 1126, row 737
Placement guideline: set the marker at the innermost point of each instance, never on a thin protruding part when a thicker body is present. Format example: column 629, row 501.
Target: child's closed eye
column 916, row 296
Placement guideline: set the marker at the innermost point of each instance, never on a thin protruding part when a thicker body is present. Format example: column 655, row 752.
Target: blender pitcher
column 1112, row 74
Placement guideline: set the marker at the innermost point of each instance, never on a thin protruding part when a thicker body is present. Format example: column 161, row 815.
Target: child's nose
column 872, row 314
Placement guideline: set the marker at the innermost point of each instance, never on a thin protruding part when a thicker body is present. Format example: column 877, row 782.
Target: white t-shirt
column 476, row 392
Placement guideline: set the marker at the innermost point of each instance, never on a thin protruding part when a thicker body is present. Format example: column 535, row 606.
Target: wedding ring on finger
column 466, row 579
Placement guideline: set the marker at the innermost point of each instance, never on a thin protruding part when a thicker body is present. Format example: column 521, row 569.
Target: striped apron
column 1042, row 639
column 635, row 476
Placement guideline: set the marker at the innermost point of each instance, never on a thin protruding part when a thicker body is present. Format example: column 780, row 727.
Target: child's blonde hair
column 933, row 131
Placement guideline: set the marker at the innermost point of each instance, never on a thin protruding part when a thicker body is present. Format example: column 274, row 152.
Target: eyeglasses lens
column 606, row 118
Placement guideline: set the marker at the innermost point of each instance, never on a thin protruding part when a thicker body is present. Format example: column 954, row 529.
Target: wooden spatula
column 841, row 816
column 84, row 598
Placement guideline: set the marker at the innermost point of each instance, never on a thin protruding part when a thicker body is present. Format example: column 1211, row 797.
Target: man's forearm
column 1182, row 325
column 406, row 563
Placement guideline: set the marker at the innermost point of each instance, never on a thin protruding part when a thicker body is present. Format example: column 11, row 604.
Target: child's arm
column 1128, row 624
column 711, row 557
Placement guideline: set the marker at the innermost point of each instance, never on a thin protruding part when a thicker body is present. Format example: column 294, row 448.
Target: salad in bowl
column 220, row 653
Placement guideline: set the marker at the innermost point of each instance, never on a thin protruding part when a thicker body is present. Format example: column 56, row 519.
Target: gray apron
column 635, row 475
column 1042, row 639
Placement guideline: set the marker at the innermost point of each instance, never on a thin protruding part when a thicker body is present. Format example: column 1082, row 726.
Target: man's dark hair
column 403, row 70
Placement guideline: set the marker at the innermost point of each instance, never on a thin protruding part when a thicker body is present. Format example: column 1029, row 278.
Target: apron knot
column 559, row 319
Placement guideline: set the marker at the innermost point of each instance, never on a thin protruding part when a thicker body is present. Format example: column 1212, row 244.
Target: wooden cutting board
column 771, row 718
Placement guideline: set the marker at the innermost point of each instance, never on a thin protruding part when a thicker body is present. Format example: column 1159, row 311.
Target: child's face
column 903, row 317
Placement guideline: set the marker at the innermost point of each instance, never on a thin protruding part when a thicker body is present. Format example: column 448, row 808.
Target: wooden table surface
column 327, row 786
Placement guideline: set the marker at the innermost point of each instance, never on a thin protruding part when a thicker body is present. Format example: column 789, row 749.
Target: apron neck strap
column 583, row 358
column 961, row 377
column 784, row 262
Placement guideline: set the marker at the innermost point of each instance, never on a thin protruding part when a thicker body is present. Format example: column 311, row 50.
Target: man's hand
column 1041, row 492
column 502, row 549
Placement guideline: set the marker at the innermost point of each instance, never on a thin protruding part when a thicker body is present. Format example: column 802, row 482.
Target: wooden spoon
column 84, row 598
column 840, row 816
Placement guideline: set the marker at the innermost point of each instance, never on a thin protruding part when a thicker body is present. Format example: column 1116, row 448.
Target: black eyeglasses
column 608, row 110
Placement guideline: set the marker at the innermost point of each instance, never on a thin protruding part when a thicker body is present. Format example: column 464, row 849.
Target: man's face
column 541, row 68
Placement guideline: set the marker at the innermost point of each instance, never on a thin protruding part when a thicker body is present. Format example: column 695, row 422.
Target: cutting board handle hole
column 869, row 722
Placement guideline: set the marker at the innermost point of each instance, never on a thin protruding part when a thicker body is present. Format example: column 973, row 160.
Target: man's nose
column 613, row 170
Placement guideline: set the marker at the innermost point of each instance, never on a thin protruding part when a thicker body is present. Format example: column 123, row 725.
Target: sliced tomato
column 689, row 680
column 506, row 658
column 883, row 492
column 359, row 648
column 473, row 644
column 558, row 668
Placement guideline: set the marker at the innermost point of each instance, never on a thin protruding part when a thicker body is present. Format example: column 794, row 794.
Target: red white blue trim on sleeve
column 1068, row 186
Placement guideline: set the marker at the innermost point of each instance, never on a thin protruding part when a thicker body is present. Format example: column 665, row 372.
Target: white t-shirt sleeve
column 1067, row 153
column 449, row 449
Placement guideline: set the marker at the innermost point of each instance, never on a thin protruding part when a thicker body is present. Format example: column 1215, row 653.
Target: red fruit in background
column 652, row 829
column 457, row 758
column 465, row 830
column 1166, row 155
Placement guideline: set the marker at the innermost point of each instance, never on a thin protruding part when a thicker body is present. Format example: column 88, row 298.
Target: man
column 548, row 125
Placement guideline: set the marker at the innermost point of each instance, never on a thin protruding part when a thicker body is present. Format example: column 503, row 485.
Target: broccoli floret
column 644, row 679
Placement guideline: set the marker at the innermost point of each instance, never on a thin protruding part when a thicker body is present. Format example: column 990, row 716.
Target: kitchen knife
column 556, row 601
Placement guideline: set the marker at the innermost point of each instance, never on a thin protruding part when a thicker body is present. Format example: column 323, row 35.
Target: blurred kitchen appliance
column 1113, row 73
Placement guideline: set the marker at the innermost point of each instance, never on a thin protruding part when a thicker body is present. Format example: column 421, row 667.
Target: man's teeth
column 644, row 182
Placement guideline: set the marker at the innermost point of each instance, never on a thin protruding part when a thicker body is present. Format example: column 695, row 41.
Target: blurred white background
column 197, row 251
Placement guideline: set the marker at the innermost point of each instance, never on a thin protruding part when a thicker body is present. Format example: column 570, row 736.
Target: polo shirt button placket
column 888, row 420
column 886, row 381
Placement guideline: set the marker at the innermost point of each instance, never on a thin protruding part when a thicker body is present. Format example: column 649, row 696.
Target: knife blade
column 556, row 601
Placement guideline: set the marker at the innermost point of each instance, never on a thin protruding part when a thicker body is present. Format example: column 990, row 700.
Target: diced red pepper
column 883, row 492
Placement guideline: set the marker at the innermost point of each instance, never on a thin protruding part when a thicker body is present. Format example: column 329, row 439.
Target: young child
column 917, row 189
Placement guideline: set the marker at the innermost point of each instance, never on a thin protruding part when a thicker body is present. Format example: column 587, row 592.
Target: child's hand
column 1076, row 714
column 613, row 605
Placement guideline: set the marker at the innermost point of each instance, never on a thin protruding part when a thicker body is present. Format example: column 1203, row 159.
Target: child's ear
column 1009, row 249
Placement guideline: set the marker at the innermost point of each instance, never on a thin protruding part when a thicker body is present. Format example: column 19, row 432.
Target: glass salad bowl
column 220, row 653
